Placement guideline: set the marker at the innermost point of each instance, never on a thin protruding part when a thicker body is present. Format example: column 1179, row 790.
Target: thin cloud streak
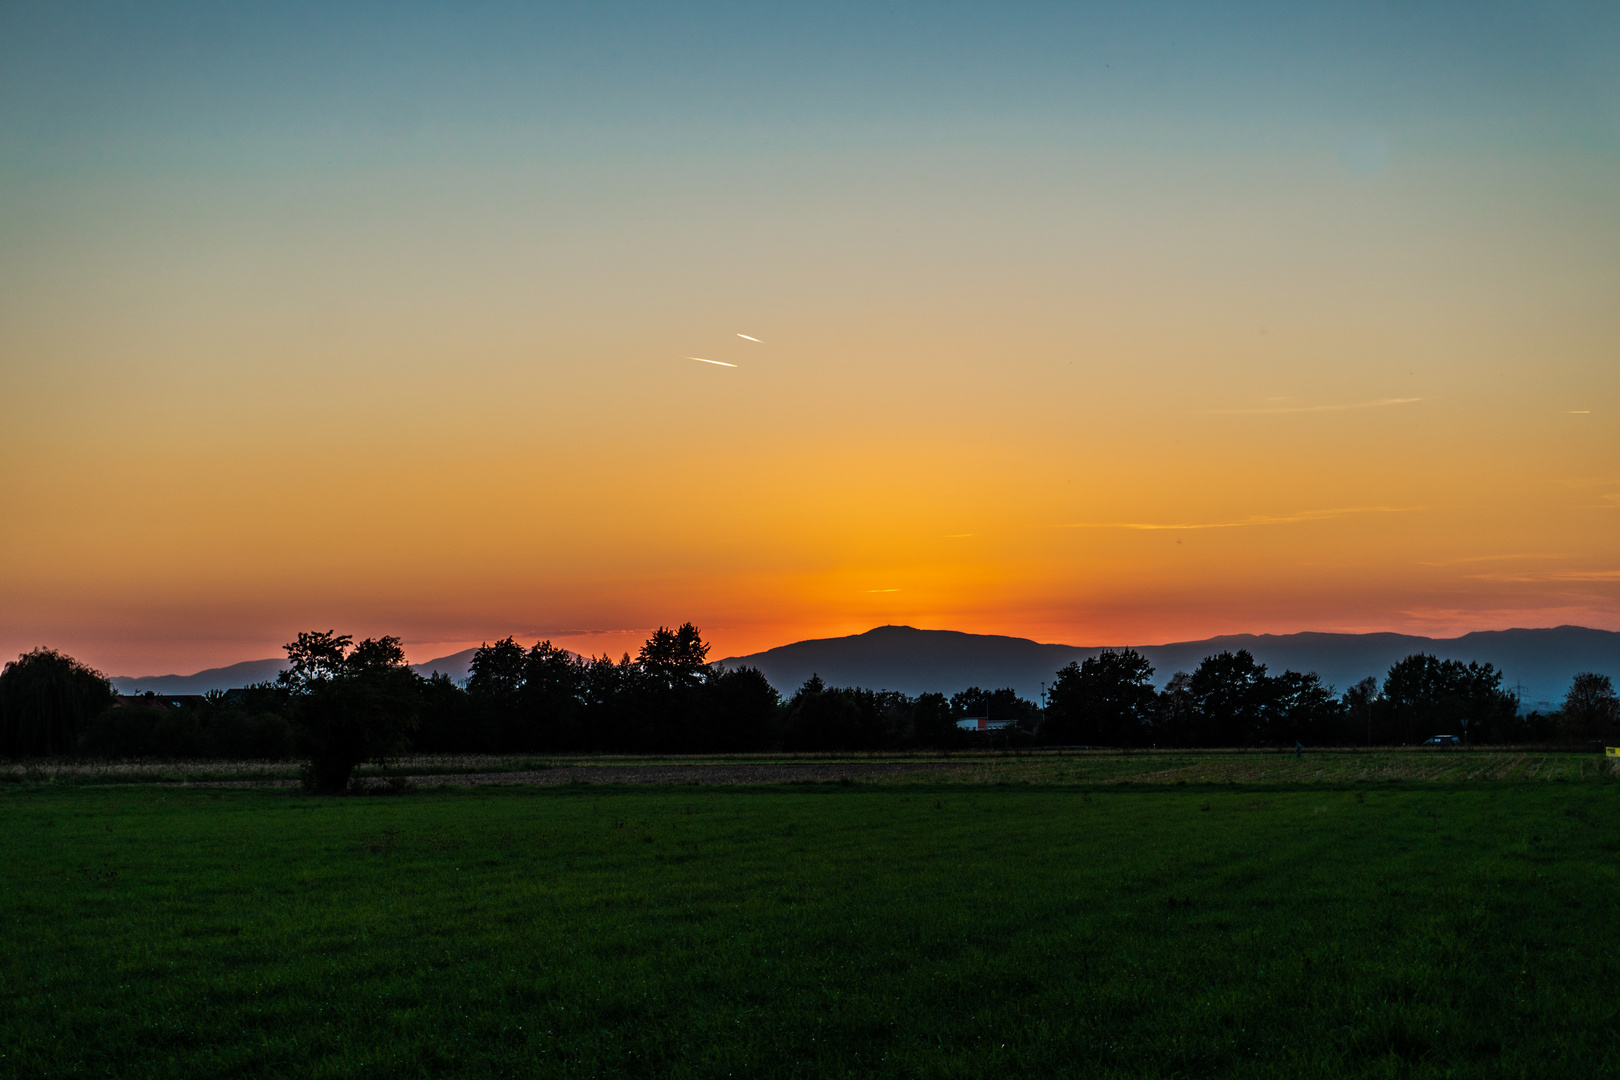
column 717, row 363
column 1490, row 558
column 1553, row 576
column 1258, row 519
column 1380, row 403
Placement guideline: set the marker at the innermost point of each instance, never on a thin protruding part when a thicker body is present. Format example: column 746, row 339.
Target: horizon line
column 968, row 633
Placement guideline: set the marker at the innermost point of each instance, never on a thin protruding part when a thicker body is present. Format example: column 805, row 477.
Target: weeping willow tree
column 47, row 700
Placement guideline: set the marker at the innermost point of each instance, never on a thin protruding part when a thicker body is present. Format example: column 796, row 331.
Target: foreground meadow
column 1210, row 928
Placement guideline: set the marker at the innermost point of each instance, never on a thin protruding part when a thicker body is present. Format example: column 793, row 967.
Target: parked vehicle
column 1442, row 740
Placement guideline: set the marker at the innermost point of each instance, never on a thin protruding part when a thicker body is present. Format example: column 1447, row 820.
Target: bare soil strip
column 742, row 773
column 820, row 772
column 1090, row 768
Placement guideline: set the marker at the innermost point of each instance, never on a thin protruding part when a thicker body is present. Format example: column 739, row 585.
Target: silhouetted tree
column 444, row 718
column 737, row 712
column 348, row 706
column 249, row 723
column 661, row 702
column 1360, row 704
column 604, row 686
column 668, row 699
column 1175, row 713
column 1591, row 710
column 552, row 681
column 1106, row 701
column 1228, row 691
column 819, row 717
column 47, row 701
column 931, row 722
column 675, row 658
column 496, row 671
column 315, row 656
column 1428, row 696
column 1298, row 708
column 887, row 718
column 494, row 696
column 255, row 723
column 150, row 726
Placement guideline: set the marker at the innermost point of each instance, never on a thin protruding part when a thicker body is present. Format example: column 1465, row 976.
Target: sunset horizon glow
column 1115, row 326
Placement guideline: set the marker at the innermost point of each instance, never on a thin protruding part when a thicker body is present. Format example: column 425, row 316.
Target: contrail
column 700, row 360
column 750, row 338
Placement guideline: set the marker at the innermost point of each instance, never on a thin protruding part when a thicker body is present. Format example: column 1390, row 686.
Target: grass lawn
column 1207, row 929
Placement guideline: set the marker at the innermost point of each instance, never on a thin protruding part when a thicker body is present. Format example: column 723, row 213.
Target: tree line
column 339, row 703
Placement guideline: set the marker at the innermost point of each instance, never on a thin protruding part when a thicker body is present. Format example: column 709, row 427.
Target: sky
column 1100, row 324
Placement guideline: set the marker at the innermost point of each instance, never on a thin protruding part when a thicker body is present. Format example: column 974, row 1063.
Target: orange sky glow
column 1112, row 377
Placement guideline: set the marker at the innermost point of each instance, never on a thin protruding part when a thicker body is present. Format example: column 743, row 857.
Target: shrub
column 47, row 701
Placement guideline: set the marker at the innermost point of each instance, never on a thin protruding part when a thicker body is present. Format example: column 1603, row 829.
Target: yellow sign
column 1612, row 751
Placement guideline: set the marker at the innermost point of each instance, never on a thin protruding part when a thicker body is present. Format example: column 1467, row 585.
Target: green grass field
column 1065, row 925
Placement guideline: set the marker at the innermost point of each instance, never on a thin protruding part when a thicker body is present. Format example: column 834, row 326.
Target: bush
column 47, row 702
column 246, row 734
column 146, row 729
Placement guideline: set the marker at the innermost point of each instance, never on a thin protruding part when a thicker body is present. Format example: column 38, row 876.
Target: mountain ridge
column 248, row 672
column 1537, row 662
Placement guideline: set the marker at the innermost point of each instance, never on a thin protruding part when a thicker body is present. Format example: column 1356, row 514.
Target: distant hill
column 914, row 661
column 246, row 673
column 1541, row 662
column 454, row 665
column 256, row 671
